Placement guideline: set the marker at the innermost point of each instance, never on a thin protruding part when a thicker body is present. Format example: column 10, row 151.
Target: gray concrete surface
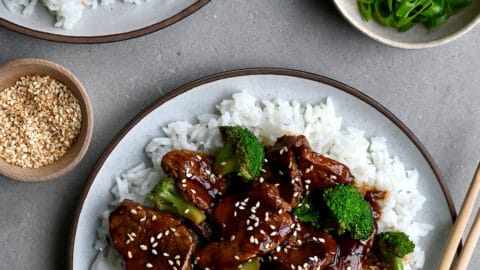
column 436, row 92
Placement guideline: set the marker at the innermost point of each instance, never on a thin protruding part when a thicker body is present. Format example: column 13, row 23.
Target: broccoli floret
column 166, row 197
column 391, row 247
column 350, row 212
column 253, row 264
column 307, row 213
column 242, row 153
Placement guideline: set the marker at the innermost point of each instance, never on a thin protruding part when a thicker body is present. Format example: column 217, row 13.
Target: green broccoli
column 306, row 212
column 350, row 212
column 242, row 153
column 166, row 197
column 391, row 247
column 253, row 264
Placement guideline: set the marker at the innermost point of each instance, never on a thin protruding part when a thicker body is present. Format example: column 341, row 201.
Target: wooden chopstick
column 459, row 227
column 470, row 243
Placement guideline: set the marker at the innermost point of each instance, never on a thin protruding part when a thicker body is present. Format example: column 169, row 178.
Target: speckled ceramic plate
column 355, row 108
column 418, row 37
column 114, row 22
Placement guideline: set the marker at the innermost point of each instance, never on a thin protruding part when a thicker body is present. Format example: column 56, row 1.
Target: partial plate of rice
column 93, row 21
column 338, row 120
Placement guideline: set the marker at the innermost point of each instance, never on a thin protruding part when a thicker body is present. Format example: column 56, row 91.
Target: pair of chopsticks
column 459, row 227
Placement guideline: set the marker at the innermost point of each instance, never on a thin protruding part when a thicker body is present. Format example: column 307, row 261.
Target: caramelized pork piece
column 150, row 239
column 317, row 170
column 352, row 254
column 283, row 169
column 252, row 223
column 195, row 180
column 307, row 248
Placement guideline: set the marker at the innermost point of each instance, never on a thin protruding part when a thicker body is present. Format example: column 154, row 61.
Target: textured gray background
column 436, row 92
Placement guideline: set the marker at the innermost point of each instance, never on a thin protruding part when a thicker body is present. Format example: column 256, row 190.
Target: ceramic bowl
column 418, row 37
column 9, row 74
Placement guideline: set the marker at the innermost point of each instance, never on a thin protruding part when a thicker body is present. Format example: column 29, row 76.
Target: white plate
column 418, row 37
column 114, row 22
column 199, row 97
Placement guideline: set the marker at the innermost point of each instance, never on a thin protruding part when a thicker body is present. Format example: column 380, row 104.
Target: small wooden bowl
column 9, row 74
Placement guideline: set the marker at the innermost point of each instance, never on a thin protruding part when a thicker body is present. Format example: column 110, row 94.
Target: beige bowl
column 9, row 74
column 418, row 37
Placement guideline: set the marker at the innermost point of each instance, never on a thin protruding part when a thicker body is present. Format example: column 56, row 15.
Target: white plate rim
column 246, row 72
column 104, row 38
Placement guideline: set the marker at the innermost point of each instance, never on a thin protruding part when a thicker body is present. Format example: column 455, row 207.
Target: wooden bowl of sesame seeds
column 46, row 120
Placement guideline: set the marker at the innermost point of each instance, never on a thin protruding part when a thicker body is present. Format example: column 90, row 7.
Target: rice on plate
column 66, row 12
column 368, row 159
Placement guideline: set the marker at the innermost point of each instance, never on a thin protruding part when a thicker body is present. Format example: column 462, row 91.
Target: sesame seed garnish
column 223, row 163
column 143, row 247
column 129, row 254
column 236, row 257
column 187, row 210
column 232, row 237
column 171, row 262
column 143, row 219
column 249, row 228
column 133, row 211
column 165, row 254
column 154, row 217
column 193, row 191
column 154, row 252
column 159, row 235
column 148, row 265
column 154, row 245
column 152, row 239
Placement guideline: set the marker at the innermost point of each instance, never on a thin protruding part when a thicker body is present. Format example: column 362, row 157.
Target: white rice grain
column 368, row 158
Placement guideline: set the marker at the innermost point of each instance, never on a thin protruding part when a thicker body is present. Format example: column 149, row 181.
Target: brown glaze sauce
column 254, row 220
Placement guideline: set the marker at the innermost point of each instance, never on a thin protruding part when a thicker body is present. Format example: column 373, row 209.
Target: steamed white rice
column 368, row 159
column 66, row 12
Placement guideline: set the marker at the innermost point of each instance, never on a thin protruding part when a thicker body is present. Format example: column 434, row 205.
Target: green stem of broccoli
column 253, row 264
column 397, row 264
column 182, row 207
column 226, row 161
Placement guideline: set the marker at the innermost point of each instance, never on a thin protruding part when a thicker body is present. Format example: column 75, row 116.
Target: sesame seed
column 165, row 254
column 223, row 163
column 236, row 257
column 187, row 210
column 148, row 265
column 154, row 252
column 143, row 247
column 154, row 245
column 232, row 237
column 193, row 191
column 171, row 262
column 143, row 219
column 133, row 211
column 154, row 217
column 129, row 254
column 159, row 235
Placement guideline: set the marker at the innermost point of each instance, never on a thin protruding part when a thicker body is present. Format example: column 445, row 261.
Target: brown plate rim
column 245, row 72
column 105, row 38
